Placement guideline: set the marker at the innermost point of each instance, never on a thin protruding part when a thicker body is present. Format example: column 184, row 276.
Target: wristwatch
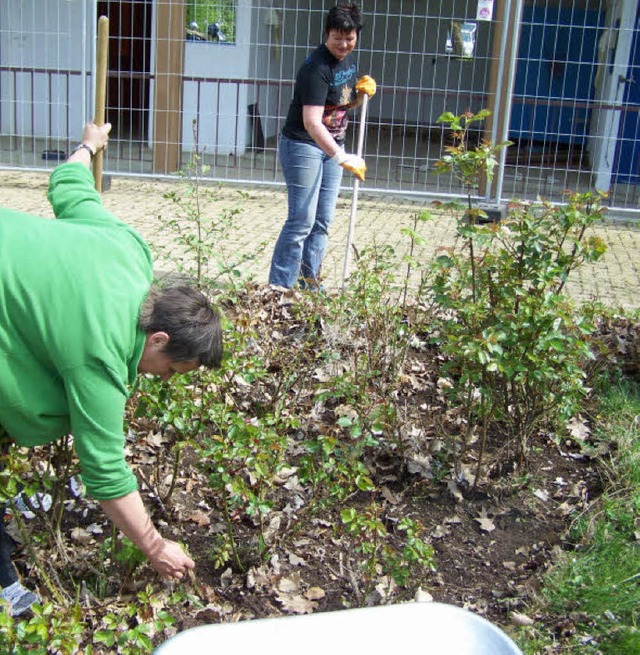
column 84, row 146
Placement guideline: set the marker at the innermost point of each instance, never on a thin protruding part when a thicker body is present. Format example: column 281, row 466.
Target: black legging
column 8, row 573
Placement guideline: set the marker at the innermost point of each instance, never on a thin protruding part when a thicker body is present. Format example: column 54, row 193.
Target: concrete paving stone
column 614, row 280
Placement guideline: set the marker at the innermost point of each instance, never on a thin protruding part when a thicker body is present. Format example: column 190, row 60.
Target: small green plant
column 398, row 556
column 222, row 550
column 411, row 260
column 471, row 166
column 335, row 469
column 130, row 631
column 241, row 458
column 125, row 553
column 370, row 317
column 20, row 482
column 199, row 233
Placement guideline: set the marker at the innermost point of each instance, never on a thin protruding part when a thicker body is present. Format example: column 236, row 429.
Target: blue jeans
column 313, row 182
column 8, row 573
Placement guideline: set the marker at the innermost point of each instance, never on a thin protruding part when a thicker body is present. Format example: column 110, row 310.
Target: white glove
column 351, row 163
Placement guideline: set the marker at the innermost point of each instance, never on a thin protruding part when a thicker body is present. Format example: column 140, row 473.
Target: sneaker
column 38, row 501
column 19, row 598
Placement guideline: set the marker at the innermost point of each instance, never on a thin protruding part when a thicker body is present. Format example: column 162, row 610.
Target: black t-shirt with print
column 323, row 81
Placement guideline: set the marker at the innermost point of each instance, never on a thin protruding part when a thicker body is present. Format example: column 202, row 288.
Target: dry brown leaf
column 542, row 495
column 314, row 593
column 455, row 491
column 81, row 536
column 258, row 577
column 486, row 523
column 389, row 496
column 296, row 604
column 157, row 439
column 420, row 465
column 273, row 528
column 199, row 518
column 439, row 532
column 291, row 584
column 521, row 619
column 578, row 428
column 294, row 560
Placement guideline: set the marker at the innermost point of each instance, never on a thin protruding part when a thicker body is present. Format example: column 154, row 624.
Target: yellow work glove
column 366, row 85
column 351, row 163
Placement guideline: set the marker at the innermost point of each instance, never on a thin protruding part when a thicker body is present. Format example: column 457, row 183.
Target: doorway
column 129, row 67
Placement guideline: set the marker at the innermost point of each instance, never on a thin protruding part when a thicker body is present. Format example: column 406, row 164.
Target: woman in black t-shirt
column 312, row 148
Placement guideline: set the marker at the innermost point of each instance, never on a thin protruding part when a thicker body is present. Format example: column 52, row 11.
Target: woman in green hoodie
column 78, row 321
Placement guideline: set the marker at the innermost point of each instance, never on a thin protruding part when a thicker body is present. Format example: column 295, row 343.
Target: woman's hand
column 170, row 561
column 366, row 85
column 351, row 163
column 96, row 137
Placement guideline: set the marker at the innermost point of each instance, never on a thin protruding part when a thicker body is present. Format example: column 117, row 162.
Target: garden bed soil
column 491, row 544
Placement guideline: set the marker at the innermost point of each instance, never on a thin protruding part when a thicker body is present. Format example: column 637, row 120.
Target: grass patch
column 591, row 598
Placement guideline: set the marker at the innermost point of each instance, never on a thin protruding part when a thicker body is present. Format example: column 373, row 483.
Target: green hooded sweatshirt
column 71, row 290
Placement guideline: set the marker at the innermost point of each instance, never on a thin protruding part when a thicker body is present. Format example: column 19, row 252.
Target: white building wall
column 49, row 36
column 222, row 108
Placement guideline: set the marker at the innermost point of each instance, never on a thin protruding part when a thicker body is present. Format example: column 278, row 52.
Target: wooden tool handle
column 102, row 48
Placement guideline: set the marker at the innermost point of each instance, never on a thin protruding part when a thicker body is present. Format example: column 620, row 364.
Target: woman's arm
column 72, row 191
column 131, row 518
column 94, row 138
column 312, row 119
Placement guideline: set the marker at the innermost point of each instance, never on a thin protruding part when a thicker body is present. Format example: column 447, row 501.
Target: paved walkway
column 614, row 280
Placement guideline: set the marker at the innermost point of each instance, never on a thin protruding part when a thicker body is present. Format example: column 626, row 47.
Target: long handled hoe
column 356, row 188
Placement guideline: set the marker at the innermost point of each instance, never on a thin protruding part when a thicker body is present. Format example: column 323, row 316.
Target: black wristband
column 84, row 146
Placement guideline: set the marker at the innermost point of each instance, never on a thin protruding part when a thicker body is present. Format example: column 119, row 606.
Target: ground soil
column 492, row 543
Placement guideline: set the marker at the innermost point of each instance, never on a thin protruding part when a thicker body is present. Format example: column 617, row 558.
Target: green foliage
column 222, row 12
column 410, row 259
column 334, row 468
column 130, row 631
column 222, row 551
column 370, row 315
column 241, row 459
column 515, row 345
column 380, row 552
column 125, row 552
column 49, row 630
column 470, row 166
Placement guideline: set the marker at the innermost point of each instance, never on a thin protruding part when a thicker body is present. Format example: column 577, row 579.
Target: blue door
column 627, row 160
column 554, row 77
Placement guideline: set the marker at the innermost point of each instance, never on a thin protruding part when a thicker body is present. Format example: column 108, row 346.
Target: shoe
column 20, row 599
column 38, row 501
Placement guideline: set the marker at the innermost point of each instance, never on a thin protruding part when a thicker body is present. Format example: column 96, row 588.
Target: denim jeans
column 313, row 182
column 8, row 573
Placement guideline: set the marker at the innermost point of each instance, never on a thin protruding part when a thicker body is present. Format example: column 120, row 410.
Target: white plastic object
column 424, row 627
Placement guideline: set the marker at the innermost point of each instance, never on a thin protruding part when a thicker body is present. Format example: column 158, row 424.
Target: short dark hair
column 343, row 18
column 192, row 323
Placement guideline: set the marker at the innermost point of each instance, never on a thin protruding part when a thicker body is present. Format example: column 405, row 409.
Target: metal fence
column 562, row 79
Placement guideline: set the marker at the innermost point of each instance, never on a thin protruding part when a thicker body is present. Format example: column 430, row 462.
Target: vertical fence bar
column 514, row 20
